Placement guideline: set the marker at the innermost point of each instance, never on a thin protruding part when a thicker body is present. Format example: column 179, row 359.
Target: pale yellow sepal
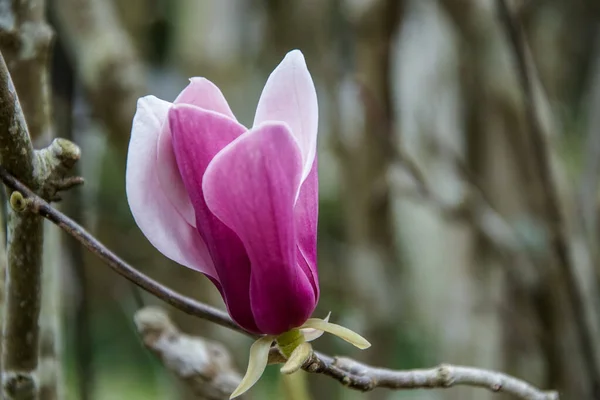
column 339, row 331
column 311, row 334
column 297, row 359
column 257, row 362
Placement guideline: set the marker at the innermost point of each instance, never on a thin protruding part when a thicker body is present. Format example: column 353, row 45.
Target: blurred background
column 458, row 184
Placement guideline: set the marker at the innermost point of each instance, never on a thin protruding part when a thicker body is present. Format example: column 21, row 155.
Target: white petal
column 289, row 96
column 154, row 214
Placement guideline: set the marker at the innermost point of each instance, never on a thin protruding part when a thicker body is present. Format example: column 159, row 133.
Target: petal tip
column 146, row 102
column 176, row 112
column 295, row 54
column 197, row 79
column 343, row 333
column 259, row 357
column 296, row 58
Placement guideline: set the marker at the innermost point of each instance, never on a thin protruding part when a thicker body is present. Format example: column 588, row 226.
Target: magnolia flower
column 239, row 205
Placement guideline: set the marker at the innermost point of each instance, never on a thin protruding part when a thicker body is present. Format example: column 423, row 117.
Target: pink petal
column 204, row 94
column 198, row 135
column 290, row 96
column 251, row 186
column 170, row 178
column 306, row 214
column 152, row 211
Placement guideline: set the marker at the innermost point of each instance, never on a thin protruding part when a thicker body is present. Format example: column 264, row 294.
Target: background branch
column 105, row 61
column 557, row 225
column 350, row 373
column 25, row 41
column 205, row 366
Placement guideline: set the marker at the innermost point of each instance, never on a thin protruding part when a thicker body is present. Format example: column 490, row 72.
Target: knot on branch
column 24, row 40
column 18, row 202
column 35, row 38
column 53, row 164
column 20, row 385
column 153, row 323
column 445, row 376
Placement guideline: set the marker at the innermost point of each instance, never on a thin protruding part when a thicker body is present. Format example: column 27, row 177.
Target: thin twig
column 185, row 304
column 554, row 210
column 356, row 375
column 350, row 373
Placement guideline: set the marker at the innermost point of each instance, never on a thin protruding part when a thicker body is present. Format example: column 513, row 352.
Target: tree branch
column 39, row 206
column 42, row 170
column 475, row 207
column 16, row 150
column 205, row 366
column 356, row 375
column 24, row 252
column 350, row 373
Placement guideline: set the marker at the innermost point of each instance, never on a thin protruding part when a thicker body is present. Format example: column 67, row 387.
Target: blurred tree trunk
column 374, row 264
column 51, row 337
column 453, row 298
column 538, row 340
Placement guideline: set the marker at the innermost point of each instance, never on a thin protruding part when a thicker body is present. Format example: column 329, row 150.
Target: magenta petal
column 198, row 135
column 289, row 96
column 170, row 178
column 152, row 211
column 306, row 213
column 251, row 186
column 204, row 94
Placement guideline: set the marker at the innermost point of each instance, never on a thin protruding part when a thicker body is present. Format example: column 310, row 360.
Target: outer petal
column 290, row 96
column 306, row 214
column 204, row 94
column 251, row 186
column 152, row 211
column 197, row 136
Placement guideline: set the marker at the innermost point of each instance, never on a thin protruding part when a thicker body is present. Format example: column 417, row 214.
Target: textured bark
column 45, row 173
column 374, row 264
column 24, row 250
column 204, row 366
